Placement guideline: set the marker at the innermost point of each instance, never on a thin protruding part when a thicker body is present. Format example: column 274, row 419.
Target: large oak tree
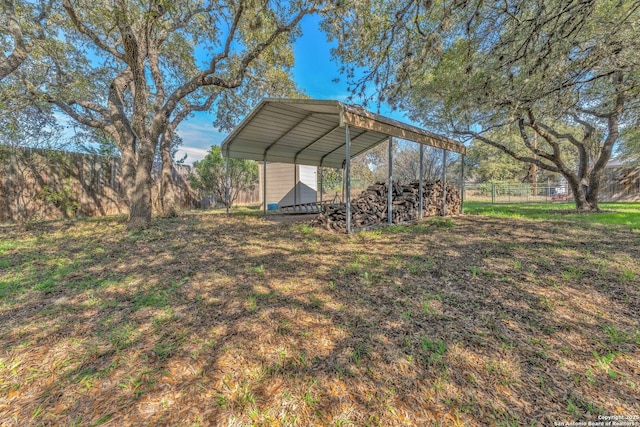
column 565, row 70
column 136, row 69
column 23, row 26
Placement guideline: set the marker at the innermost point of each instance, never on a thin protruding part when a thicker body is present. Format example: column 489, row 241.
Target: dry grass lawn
column 239, row 321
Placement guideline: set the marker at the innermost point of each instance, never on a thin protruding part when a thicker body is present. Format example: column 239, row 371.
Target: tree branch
column 510, row 152
column 227, row 45
column 543, row 133
column 583, row 155
column 529, row 145
column 568, row 136
column 71, row 112
column 156, row 74
column 190, row 108
column 22, row 48
column 186, row 18
column 594, row 113
column 83, row 29
column 252, row 55
column 206, row 78
column 11, row 63
column 613, row 130
column 115, row 103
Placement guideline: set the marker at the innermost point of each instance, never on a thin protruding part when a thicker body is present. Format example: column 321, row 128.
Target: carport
column 324, row 133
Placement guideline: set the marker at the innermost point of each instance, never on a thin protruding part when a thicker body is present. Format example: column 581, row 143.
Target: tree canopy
column 567, row 70
column 630, row 146
column 24, row 26
column 136, row 70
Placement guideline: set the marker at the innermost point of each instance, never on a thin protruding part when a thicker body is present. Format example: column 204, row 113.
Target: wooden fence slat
column 58, row 184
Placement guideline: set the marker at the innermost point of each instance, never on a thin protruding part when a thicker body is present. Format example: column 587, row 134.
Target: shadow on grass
column 217, row 320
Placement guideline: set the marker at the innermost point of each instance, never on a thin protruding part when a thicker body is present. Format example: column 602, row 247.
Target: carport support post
column 347, row 166
column 320, row 176
column 444, row 182
column 295, row 187
column 461, row 183
column 227, row 183
column 264, row 187
column 420, row 196
column 390, row 184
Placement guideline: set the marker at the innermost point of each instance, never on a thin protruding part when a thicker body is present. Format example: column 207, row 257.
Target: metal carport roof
column 312, row 132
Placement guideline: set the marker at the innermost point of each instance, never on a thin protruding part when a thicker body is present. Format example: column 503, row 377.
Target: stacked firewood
column 370, row 207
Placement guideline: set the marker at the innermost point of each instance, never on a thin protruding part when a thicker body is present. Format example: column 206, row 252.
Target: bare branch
column 87, row 105
column 227, row 45
column 83, row 29
column 206, row 78
column 568, row 136
column 540, row 163
column 529, row 145
column 190, row 108
column 86, row 120
column 613, row 127
column 156, row 74
column 543, row 133
column 595, row 113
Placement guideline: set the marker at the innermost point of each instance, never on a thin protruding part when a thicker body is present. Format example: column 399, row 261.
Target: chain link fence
column 496, row 192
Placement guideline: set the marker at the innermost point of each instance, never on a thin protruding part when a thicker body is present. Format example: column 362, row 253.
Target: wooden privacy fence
column 46, row 184
column 39, row 184
column 621, row 183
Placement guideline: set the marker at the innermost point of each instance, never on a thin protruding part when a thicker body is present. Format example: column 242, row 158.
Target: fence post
column 548, row 190
column 493, row 192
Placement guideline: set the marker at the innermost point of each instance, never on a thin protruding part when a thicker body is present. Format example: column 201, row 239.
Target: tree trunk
column 579, row 185
column 168, row 203
column 593, row 190
column 128, row 174
column 592, row 199
column 579, row 196
column 140, row 206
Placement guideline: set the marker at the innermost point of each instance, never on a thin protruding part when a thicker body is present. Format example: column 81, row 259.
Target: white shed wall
column 280, row 183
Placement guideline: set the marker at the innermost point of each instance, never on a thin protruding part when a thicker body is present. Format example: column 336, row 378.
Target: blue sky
column 314, row 72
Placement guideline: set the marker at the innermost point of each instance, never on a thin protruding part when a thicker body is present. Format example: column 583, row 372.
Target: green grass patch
column 7, row 245
column 442, row 222
column 122, row 335
column 153, row 296
column 305, row 229
column 625, row 214
column 10, row 287
column 434, row 349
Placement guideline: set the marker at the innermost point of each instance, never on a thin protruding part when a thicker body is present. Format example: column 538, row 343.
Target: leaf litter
column 216, row 320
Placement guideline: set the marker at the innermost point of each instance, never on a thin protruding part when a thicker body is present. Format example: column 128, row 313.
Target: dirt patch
column 215, row 320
